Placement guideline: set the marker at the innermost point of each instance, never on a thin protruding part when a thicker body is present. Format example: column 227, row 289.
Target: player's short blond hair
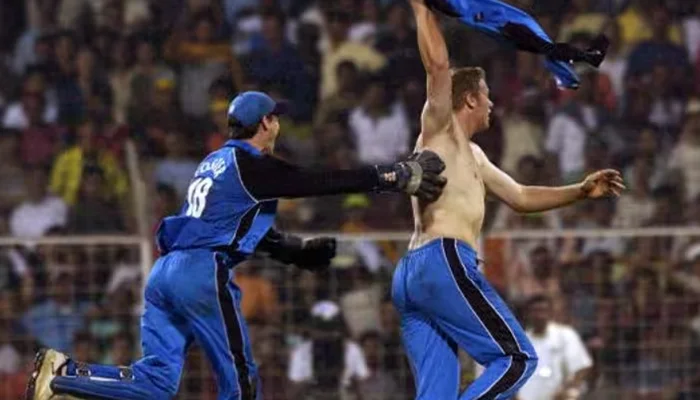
column 465, row 80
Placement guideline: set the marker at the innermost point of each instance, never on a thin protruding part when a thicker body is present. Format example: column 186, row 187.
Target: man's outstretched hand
column 604, row 183
column 419, row 175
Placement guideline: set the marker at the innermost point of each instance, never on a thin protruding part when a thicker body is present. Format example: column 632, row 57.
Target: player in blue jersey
column 227, row 216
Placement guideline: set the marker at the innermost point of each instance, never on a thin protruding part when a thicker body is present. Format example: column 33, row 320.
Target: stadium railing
column 638, row 310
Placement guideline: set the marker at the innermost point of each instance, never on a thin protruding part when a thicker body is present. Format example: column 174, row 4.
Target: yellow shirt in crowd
column 68, row 170
column 364, row 57
column 634, row 29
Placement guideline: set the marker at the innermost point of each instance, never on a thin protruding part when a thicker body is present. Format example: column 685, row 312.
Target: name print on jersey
column 217, row 167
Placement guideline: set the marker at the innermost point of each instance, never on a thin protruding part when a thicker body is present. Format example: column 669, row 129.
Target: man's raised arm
column 433, row 52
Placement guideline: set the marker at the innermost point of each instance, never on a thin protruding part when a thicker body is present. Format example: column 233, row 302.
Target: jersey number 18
column 197, row 196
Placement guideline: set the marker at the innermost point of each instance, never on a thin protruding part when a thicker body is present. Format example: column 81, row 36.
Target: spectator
column 162, row 115
column 666, row 199
column 260, row 300
column 308, row 36
column 219, row 125
column 379, row 125
column 177, row 168
column 16, row 281
column 541, row 278
column 615, row 63
column 634, row 120
column 316, row 12
column 365, row 29
column 203, row 59
column 581, row 17
column 659, row 50
column 103, row 42
column 329, row 365
column 645, row 370
column 41, row 212
column 117, row 311
column 270, row 361
column 360, row 304
column 682, row 245
column 14, row 189
column 391, row 335
column 39, row 142
column 648, row 146
column 121, row 350
column 120, row 77
column 689, row 276
column 94, row 211
column 522, row 130
column 667, row 105
column 636, row 206
column 147, row 70
column 83, row 92
column 66, row 176
column 64, row 56
column 33, row 45
column 357, row 220
column 412, row 94
column 296, row 145
column 10, row 353
column 346, row 98
column 691, row 26
column 306, row 292
column 277, row 62
column 32, row 91
column 55, row 322
column 685, row 157
column 636, row 26
column 572, row 126
column 356, row 217
column 564, row 362
column 166, row 203
column 398, row 38
column 380, row 385
column 125, row 272
column 14, row 386
column 84, row 347
column 341, row 49
column 596, row 156
column 599, row 216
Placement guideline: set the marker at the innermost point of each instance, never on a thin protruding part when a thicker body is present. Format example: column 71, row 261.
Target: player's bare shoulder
column 480, row 157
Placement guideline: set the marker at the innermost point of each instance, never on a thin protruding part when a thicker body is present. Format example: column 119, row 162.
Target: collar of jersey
column 243, row 146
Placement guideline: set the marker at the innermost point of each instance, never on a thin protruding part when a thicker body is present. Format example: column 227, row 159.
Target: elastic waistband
column 462, row 246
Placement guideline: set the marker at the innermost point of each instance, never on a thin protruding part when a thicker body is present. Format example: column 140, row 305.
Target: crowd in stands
column 81, row 80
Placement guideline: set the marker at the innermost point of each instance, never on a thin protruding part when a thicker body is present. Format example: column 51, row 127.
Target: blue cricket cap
column 249, row 108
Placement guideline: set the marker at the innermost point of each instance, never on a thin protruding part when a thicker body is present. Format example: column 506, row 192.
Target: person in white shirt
column 329, row 365
column 40, row 212
column 15, row 115
column 564, row 362
column 365, row 30
column 685, row 156
column 574, row 124
column 379, row 128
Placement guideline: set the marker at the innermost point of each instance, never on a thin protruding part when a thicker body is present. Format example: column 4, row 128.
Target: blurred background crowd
column 80, row 80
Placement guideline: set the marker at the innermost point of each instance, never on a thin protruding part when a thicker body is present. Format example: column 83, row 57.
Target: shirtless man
column 443, row 299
